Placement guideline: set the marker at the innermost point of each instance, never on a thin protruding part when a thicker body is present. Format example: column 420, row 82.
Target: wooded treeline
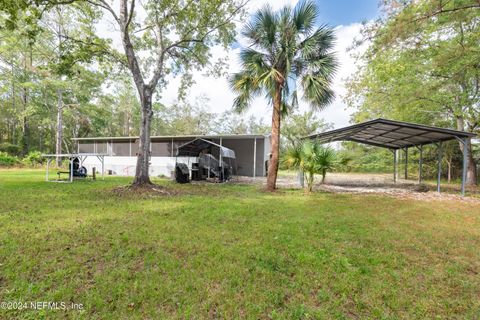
column 422, row 65
column 51, row 88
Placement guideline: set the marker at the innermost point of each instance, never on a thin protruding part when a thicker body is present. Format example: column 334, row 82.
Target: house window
column 121, row 149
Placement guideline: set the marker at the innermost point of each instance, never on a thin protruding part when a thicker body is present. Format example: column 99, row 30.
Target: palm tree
column 311, row 158
column 286, row 51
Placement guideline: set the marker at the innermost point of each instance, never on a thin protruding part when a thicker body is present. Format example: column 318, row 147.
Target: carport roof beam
column 391, row 134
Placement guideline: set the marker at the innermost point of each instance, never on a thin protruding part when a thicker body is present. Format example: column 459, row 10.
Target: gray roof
column 194, row 148
column 223, row 136
column 391, row 134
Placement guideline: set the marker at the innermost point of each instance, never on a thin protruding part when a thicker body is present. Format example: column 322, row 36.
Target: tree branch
column 130, row 15
column 133, row 64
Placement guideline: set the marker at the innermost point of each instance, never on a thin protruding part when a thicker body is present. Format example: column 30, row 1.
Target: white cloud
column 338, row 112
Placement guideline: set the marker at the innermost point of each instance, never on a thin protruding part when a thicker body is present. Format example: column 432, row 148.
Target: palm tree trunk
column 275, row 140
column 310, row 182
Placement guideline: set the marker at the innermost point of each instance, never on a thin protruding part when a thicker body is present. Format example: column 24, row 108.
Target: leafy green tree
column 299, row 125
column 40, row 84
column 285, row 50
column 232, row 123
column 176, row 37
column 312, row 158
column 422, row 65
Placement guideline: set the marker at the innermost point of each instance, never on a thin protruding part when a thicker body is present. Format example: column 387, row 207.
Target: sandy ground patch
column 364, row 184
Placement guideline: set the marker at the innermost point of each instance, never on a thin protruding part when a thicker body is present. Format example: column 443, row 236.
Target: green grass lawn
column 232, row 251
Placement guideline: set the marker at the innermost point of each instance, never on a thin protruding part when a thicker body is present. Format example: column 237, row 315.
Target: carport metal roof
column 391, row 134
column 194, row 147
column 399, row 135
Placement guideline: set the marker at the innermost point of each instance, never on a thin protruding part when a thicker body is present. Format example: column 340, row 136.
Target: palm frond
column 286, row 51
column 319, row 43
column 246, row 88
column 261, row 30
column 305, row 15
column 317, row 91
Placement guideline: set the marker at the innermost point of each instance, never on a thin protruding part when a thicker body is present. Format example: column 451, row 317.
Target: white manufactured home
column 252, row 153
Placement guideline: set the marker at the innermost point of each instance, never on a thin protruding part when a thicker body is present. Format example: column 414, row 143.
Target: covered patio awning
column 194, row 147
column 71, row 157
column 399, row 135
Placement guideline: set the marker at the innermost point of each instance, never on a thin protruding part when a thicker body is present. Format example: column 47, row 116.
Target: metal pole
column 406, row 163
column 394, row 166
column 48, row 165
column 254, row 157
column 221, row 162
column 420, row 162
column 71, row 169
column 103, row 168
column 439, row 173
column 465, row 164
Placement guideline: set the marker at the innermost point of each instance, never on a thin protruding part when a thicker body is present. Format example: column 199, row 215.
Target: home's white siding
column 121, row 159
column 125, row 166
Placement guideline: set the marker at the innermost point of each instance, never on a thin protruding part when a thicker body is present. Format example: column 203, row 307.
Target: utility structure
column 73, row 158
column 397, row 136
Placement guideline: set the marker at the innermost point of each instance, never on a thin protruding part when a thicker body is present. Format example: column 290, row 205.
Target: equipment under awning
column 72, row 158
column 195, row 147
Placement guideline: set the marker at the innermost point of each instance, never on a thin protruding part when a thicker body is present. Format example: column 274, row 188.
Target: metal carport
column 399, row 135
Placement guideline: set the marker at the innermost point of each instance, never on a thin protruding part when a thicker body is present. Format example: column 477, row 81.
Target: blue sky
column 344, row 12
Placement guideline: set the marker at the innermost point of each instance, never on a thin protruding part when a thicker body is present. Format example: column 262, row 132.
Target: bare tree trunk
column 143, row 158
column 126, row 123
column 58, row 145
column 25, row 142
column 471, row 165
column 275, row 140
column 24, row 122
column 13, row 106
column 449, row 170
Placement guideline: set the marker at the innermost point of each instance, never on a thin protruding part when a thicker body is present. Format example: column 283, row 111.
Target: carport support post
column 420, row 162
column 439, row 173
column 464, row 168
column 406, row 163
column 395, row 166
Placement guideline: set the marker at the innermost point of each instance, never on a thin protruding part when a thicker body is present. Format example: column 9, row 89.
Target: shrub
column 11, row 149
column 311, row 157
column 7, row 160
column 33, row 159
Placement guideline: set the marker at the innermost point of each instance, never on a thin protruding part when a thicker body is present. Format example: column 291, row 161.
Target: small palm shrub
column 312, row 158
